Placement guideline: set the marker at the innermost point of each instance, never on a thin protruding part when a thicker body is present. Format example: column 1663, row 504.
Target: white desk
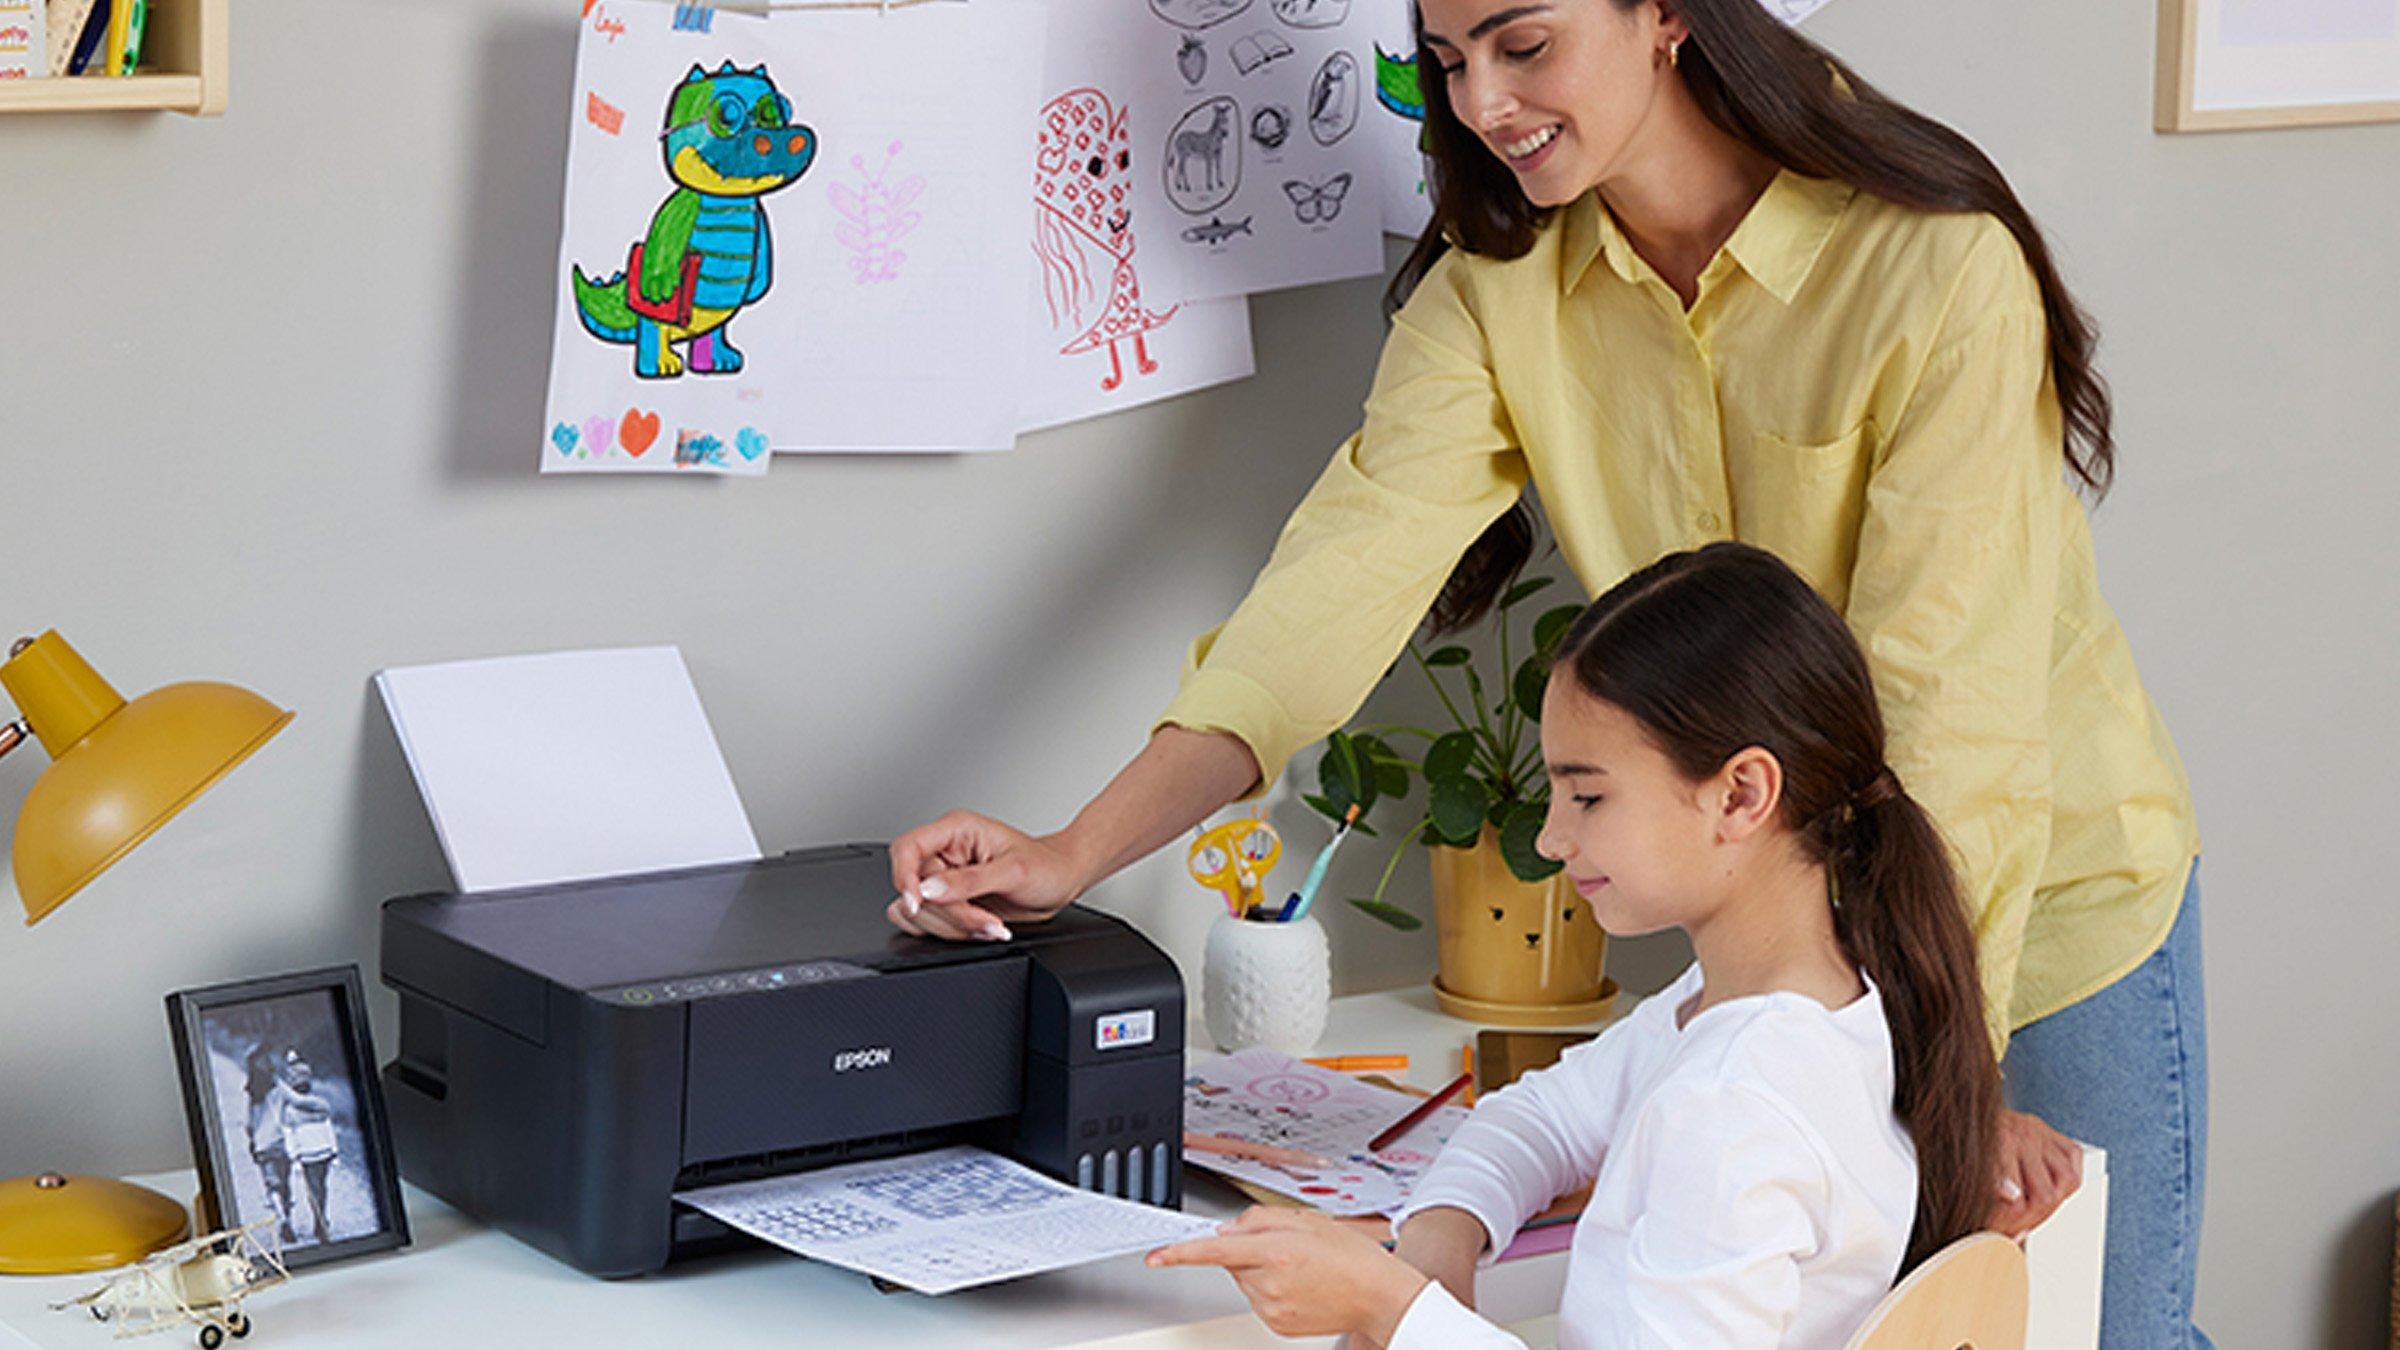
column 464, row 1284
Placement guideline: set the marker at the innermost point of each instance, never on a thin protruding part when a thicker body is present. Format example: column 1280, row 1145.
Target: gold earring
column 1675, row 53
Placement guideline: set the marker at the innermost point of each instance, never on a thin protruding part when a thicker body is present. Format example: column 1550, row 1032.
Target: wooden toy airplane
column 200, row 1283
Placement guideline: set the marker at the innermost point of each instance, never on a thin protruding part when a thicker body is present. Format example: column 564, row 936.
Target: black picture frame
column 331, row 1205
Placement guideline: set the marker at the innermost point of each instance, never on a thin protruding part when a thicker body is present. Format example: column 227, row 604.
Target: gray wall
column 268, row 395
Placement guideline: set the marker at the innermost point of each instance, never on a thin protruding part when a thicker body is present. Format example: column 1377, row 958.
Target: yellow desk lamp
column 118, row 771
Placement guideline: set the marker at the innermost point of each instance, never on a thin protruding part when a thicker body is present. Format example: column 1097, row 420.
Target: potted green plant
column 1516, row 944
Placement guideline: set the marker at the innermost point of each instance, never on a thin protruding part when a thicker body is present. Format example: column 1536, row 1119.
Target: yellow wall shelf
column 184, row 54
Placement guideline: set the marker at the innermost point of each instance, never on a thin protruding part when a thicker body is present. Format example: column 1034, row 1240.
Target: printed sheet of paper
column 682, row 163
column 1099, row 343
column 908, row 263
column 538, row 769
column 936, row 1222
column 1250, row 174
column 1268, row 1097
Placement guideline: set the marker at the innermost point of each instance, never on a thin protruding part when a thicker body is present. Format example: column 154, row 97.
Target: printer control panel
column 765, row 978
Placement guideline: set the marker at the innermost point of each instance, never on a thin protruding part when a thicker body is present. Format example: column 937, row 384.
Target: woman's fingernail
column 997, row 932
column 933, row 888
column 908, row 903
column 2010, row 1190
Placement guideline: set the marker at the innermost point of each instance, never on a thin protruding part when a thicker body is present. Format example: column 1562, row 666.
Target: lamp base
column 65, row 1225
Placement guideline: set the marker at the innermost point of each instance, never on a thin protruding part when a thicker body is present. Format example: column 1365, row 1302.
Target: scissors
column 1235, row 858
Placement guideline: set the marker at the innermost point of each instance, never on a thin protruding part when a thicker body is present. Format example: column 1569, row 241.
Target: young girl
column 1803, row 1115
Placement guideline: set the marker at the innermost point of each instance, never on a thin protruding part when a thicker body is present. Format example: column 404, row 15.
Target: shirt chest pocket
column 1804, row 499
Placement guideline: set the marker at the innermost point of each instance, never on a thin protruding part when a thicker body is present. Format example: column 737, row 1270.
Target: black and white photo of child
column 287, row 1098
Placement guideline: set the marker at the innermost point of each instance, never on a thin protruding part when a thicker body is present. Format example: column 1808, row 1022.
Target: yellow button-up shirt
column 1861, row 388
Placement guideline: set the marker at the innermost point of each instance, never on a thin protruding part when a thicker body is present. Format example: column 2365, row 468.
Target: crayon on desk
column 1362, row 1063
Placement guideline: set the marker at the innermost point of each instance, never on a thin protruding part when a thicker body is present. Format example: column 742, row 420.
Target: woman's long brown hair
column 1768, row 86
column 1724, row 648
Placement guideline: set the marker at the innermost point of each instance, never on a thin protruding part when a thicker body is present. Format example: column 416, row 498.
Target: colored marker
column 1316, row 870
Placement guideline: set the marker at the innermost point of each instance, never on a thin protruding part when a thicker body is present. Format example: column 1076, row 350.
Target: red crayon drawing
column 1081, row 182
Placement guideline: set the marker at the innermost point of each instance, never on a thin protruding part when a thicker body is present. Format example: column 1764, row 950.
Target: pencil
column 1422, row 1109
column 1196, row 1142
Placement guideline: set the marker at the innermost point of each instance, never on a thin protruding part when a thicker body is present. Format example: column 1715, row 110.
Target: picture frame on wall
column 2229, row 65
column 286, row 1114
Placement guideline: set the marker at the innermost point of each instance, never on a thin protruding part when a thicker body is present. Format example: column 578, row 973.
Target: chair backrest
column 1970, row 1294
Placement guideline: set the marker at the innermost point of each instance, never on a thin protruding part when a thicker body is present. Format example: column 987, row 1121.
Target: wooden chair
column 1970, row 1295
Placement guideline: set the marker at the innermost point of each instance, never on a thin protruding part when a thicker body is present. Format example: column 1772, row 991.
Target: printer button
column 1108, row 1173
column 1083, row 1172
column 1141, row 1122
column 1091, row 1129
column 1116, row 1125
column 1158, row 1174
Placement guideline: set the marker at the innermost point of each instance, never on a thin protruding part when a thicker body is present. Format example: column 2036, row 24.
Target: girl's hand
column 2039, row 1169
column 1305, row 1274
column 967, row 876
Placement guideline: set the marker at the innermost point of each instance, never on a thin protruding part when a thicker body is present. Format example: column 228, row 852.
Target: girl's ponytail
column 1898, row 912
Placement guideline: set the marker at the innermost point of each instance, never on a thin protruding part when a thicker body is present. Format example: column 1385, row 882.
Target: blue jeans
column 2127, row 1069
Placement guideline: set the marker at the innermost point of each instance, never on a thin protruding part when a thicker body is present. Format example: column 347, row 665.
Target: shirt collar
column 1777, row 243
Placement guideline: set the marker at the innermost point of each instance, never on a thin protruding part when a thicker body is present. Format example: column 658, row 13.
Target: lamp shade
column 120, row 769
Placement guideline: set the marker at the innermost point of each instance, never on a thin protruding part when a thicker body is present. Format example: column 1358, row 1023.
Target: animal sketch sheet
column 1247, row 112
column 1271, row 1098
column 946, row 1220
column 681, row 168
column 1099, row 343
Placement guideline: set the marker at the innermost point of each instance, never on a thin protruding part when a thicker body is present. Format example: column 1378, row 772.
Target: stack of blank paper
column 567, row 766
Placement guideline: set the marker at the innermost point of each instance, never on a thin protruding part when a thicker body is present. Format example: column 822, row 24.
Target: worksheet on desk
column 1267, row 1097
column 936, row 1222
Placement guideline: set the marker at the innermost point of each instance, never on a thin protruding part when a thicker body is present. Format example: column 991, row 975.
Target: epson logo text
column 873, row 1057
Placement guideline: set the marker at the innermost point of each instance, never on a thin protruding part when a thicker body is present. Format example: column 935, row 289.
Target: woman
column 263, row 1085
column 1695, row 279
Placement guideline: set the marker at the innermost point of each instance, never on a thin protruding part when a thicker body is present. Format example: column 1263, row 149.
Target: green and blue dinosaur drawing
column 729, row 140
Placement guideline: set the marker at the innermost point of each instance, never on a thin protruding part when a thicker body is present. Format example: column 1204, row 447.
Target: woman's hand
column 1305, row 1274
column 968, row 876
column 2039, row 1169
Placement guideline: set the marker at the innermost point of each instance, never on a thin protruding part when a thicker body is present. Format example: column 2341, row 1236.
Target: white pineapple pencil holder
column 1266, row 984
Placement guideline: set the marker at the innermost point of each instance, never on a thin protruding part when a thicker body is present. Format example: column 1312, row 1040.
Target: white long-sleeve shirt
column 1751, row 1185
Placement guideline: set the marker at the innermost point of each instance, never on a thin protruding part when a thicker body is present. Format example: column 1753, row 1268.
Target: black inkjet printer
column 573, row 1055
